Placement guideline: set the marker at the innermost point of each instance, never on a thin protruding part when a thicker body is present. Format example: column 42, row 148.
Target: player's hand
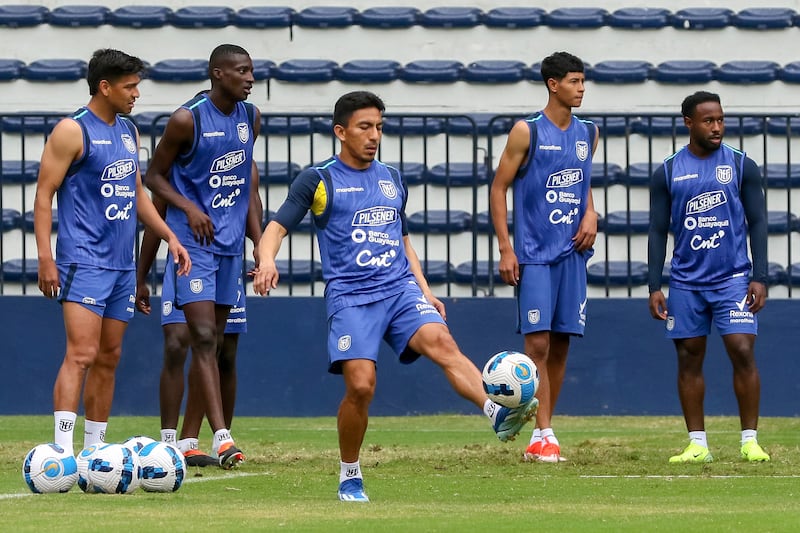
column 265, row 278
column 658, row 305
column 756, row 296
column 180, row 256
column 587, row 232
column 509, row 268
column 202, row 228
column 143, row 297
column 256, row 258
column 48, row 278
column 438, row 304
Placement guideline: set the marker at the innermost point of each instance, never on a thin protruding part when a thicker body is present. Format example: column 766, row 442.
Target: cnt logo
column 228, row 161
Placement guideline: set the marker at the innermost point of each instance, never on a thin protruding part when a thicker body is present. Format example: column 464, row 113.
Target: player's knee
column 204, row 338
column 360, row 391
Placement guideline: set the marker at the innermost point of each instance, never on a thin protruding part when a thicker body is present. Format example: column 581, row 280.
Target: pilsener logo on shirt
column 228, row 161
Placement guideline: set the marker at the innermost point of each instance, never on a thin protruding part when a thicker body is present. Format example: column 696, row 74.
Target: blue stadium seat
column 483, row 222
column 326, row 17
column 262, row 68
column 412, row 125
column 179, row 70
column 479, row 124
column 437, row 270
column 494, row 71
column 10, row 69
column 616, row 222
column 285, row 125
column 27, row 221
column 776, row 274
column 604, row 174
column 783, row 125
column 465, row 272
column 793, row 274
column 744, row 125
column 702, row 18
column 21, row 270
column 368, row 71
column 277, row 172
column 576, row 17
column 28, row 124
column 202, row 17
column 514, row 17
column 619, row 71
column 19, row 172
column 790, row 72
column 660, row 126
column 612, row 126
column 299, row 270
column 55, row 70
column 617, row 273
column 457, row 174
column 439, row 221
column 781, row 222
column 79, row 16
column 638, row 174
column 305, row 70
column 19, row 16
column 764, row 18
column 431, row 71
column 747, row 72
column 12, row 219
column 151, row 122
column 140, row 16
column 451, row 17
column 322, row 126
column 264, row 17
column 781, row 175
column 535, row 72
column 413, row 172
column 388, row 17
column 684, row 71
column 638, row 18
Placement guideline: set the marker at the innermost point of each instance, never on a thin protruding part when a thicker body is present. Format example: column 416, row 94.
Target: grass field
column 436, row 473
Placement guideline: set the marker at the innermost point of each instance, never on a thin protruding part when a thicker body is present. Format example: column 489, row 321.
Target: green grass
column 436, row 473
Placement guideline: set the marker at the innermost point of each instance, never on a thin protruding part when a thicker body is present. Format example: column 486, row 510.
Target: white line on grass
column 681, row 476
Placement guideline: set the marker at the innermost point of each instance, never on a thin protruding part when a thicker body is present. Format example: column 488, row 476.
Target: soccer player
column 709, row 196
column 202, row 168
column 375, row 286
column 91, row 160
column 548, row 160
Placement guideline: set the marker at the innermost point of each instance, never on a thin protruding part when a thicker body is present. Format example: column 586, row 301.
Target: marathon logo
column 705, row 202
column 118, row 170
column 375, row 216
column 228, row 161
column 565, row 178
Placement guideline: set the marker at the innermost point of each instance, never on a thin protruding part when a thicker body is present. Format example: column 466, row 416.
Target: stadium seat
column 660, row 126
column 781, row 175
column 783, row 125
column 22, row 123
column 617, row 273
column 305, row 70
column 494, row 71
column 27, row 221
column 638, row 174
column 514, row 17
column 412, row 125
column 701, row 18
column 140, row 16
column 55, row 70
column 790, row 72
column 179, row 70
column 744, row 125
column 282, row 125
column 764, row 18
column 79, row 16
column 437, row 270
column 747, row 72
column 12, row 219
column 793, row 274
column 576, row 17
column 639, row 18
column 20, row 16
column 457, row 174
column 277, row 172
column 781, row 222
column 535, row 72
column 10, row 69
column 604, row 174
column 431, row 71
column 151, row 122
column 683, row 71
column 19, row 172
column 450, row 17
column 388, row 17
column 412, row 172
column 478, row 124
column 616, row 222
column 483, row 222
column 622, row 71
column 262, row 69
column 776, row 274
column 368, row 71
column 21, row 270
column 465, row 272
column 264, row 17
column 438, row 221
column 326, row 17
column 202, row 17
column 612, row 126
column 299, row 270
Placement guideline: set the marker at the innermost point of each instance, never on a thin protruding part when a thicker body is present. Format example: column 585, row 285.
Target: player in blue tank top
column 202, row 167
column 91, row 161
column 375, row 288
column 548, row 161
column 709, row 196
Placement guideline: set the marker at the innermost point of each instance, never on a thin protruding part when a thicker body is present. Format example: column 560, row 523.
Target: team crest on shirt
column 533, row 316
column 344, row 343
column 196, row 286
column 388, row 189
column 128, row 142
column 582, row 150
column 167, row 309
column 244, row 132
column 724, row 174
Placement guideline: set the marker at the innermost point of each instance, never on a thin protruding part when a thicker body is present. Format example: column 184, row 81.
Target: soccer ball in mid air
column 163, row 467
column 113, row 469
column 510, row 378
column 49, row 468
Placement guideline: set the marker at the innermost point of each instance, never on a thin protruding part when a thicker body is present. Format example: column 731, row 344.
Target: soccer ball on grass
column 163, row 467
column 510, row 378
column 113, row 469
column 49, row 468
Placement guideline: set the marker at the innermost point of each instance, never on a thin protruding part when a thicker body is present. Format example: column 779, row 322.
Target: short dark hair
column 110, row 65
column 222, row 53
column 352, row 102
column 559, row 64
column 691, row 102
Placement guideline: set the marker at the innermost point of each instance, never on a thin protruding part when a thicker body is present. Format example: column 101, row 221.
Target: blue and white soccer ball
column 137, row 442
column 83, row 458
column 49, row 468
column 510, row 378
column 113, row 469
column 163, row 467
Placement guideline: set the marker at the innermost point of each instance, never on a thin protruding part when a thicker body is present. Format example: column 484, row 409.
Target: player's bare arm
column 255, row 214
column 150, row 217
column 416, row 269
column 266, row 276
column 147, row 255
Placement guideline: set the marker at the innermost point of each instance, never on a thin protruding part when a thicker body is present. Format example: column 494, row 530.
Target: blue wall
column 622, row 366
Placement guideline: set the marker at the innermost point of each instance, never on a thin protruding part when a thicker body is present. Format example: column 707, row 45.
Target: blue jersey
column 215, row 174
column 707, row 218
column 551, row 190
column 97, row 199
column 359, row 216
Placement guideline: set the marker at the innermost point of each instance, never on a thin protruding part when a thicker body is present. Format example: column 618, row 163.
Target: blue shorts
column 356, row 332
column 691, row 312
column 237, row 319
column 553, row 297
column 107, row 293
column 214, row 278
